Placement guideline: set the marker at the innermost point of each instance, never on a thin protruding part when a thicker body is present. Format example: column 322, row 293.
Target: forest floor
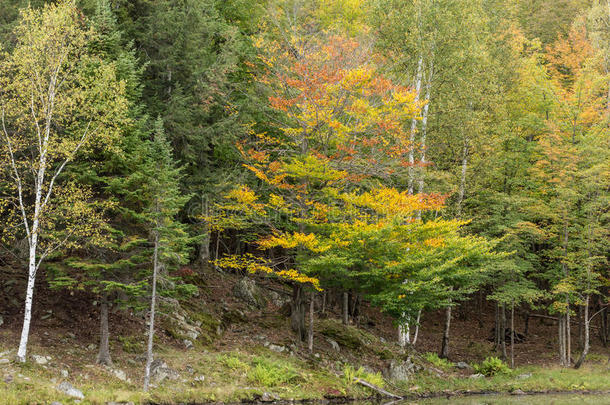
column 248, row 353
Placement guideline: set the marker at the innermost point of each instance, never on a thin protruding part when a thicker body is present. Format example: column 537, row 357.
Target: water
column 557, row 399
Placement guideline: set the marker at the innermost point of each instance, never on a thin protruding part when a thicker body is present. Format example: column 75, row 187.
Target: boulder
column 333, row 344
column 4, row 362
column 160, row 371
column 517, row 392
column 524, row 376
column 42, row 360
column 67, row 388
column 269, row 397
column 476, row 376
column 247, row 291
column 188, row 344
column 401, row 370
column 462, row 365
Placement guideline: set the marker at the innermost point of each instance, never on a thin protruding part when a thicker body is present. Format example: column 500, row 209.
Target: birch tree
column 58, row 100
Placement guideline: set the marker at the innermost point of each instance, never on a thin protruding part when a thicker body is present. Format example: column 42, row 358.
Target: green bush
column 492, row 366
column 349, row 373
column 233, row 362
column 270, row 373
column 433, row 358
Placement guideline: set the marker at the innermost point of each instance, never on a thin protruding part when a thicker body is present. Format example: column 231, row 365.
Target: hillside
column 241, row 352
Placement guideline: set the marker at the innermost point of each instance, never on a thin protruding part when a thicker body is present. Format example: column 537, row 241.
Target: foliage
column 492, row 366
column 433, row 358
column 350, row 374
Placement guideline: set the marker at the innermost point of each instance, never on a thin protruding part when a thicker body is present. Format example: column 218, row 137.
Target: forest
column 395, row 162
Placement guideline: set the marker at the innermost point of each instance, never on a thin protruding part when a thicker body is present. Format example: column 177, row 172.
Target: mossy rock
column 347, row 336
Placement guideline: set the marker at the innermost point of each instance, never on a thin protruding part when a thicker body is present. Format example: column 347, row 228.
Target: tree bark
column 310, row 332
column 418, row 80
column 503, row 333
column 416, row 333
column 103, row 356
column 512, row 335
column 345, row 308
column 297, row 315
column 585, row 349
column 151, row 326
column 444, row 353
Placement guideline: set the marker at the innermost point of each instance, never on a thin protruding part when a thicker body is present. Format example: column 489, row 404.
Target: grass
column 591, row 377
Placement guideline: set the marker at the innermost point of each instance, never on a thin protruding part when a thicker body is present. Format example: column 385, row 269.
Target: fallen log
column 375, row 388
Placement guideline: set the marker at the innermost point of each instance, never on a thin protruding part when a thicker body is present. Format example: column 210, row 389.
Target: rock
column 42, row 360
column 1, row 320
column 333, row 344
column 524, row 376
column 64, row 373
column 247, row 291
column 92, row 346
column 517, row 392
column 56, row 403
column 188, row 344
column 69, row 390
column 160, row 371
column 8, row 379
column 462, row 365
column 277, row 299
column 476, row 376
column 120, row 374
column 275, row 348
column 189, row 369
column 200, row 378
column 4, row 361
column 119, row 403
column 401, row 370
column 269, row 397
column 71, row 335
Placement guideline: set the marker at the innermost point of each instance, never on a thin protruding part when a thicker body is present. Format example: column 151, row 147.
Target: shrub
column 436, row 361
column 233, row 362
column 349, row 373
column 492, row 366
column 269, row 373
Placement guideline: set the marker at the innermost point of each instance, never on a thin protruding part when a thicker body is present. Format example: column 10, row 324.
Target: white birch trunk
column 418, row 80
column 462, row 189
column 416, row 333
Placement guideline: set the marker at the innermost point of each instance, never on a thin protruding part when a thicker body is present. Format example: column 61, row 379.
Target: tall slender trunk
column 151, row 326
column 345, row 308
column 424, row 129
column 310, row 332
column 462, row 190
column 103, row 356
column 297, row 314
column 585, row 348
column 418, row 80
column 568, row 335
column 503, row 335
column 561, row 340
column 444, row 353
column 497, row 328
column 416, row 333
column 512, row 335
column 29, row 298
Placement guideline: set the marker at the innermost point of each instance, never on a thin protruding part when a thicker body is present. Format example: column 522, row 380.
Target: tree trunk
column 29, row 299
column 416, row 333
column 310, row 332
column 151, row 326
column 568, row 335
column 497, row 328
column 345, row 308
column 585, row 349
column 418, row 80
column 323, row 308
column 512, row 336
column 103, row 356
column 444, row 353
column 503, row 333
column 297, row 315
column 462, row 189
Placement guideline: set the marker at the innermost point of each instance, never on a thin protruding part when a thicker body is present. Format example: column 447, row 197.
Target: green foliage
column 350, row 374
column 492, row 366
column 270, row 373
column 443, row 364
column 233, row 362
